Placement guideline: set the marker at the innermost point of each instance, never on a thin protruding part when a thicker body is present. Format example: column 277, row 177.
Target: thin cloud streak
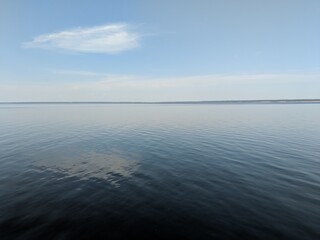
column 108, row 39
column 125, row 81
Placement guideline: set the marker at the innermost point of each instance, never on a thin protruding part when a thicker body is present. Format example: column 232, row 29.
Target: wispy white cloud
column 112, row 38
column 78, row 73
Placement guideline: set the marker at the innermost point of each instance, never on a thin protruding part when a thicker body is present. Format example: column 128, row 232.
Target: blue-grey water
column 104, row 171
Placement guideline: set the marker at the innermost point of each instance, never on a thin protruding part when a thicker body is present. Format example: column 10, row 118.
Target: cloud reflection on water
column 110, row 166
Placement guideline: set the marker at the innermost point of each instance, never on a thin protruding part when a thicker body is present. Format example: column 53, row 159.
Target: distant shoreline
column 276, row 101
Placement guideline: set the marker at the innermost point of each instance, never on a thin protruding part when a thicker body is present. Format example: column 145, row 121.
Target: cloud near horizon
column 111, row 38
column 106, row 87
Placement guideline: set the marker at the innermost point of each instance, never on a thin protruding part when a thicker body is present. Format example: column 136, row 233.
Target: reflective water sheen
column 160, row 171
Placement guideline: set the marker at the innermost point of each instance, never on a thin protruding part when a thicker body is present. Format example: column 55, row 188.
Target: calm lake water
column 96, row 171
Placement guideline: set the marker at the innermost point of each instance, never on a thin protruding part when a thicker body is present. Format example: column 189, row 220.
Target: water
column 159, row 171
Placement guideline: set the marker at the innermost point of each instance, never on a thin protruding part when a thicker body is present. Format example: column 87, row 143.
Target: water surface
column 103, row 171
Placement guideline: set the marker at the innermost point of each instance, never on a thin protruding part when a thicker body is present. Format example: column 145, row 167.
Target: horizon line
column 304, row 100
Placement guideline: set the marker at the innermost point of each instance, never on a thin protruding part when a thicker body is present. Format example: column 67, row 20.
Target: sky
column 169, row 50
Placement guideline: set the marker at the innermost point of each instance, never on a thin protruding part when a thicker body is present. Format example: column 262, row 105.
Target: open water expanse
column 130, row 171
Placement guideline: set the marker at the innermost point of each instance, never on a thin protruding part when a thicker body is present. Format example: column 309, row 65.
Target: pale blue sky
column 140, row 50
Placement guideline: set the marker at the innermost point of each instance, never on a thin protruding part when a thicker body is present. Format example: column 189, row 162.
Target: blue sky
column 142, row 50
